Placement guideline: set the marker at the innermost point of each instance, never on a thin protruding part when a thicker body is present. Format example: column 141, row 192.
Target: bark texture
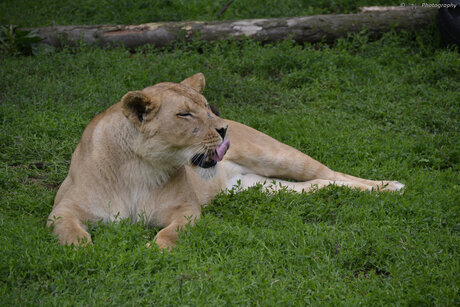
column 302, row 29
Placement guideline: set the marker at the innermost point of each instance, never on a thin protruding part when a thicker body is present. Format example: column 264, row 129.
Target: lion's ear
column 138, row 107
column 197, row 82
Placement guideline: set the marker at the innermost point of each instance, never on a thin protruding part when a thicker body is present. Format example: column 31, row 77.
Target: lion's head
column 176, row 124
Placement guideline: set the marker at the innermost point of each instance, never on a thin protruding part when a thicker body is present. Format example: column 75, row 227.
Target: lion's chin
column 205, row 173
column 203, row 161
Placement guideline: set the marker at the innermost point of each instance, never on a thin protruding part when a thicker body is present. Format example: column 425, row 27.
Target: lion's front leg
column 167, row 237
column 260, row 154
column 68, row 227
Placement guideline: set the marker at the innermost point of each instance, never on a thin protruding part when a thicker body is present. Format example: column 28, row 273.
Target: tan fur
column 133, row 161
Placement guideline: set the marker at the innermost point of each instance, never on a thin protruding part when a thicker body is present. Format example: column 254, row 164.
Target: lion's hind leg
column 244, row 181
column 273, row 185
column 378, row 185
column 269, row 158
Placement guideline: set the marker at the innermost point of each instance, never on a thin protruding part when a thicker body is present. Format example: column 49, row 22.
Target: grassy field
column 63, row 12
column 379, row 109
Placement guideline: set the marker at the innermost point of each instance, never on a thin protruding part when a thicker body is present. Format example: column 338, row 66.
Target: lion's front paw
column 162, row 245
column 162, row 241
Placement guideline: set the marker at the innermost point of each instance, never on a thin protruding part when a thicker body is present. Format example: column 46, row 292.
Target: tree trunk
column 316, row 28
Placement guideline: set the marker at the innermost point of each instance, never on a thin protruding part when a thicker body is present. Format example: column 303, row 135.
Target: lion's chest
column 149, row 195
column 137, row 194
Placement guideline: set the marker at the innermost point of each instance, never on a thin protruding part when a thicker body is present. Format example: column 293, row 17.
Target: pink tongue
column 220, row 151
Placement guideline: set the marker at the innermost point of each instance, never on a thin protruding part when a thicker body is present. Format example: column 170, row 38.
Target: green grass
column 30, row 13
column 379, row 109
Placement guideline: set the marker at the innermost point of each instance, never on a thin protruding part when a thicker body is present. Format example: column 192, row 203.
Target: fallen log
column 315, row 28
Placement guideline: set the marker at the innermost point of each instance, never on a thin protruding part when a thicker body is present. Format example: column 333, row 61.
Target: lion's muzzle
column 206, row 160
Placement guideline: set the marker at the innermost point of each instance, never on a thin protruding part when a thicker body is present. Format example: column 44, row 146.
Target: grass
column 382, row 108
column 29, row 13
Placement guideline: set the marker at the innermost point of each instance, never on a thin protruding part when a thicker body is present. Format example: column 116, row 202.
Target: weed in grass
column 14, row 41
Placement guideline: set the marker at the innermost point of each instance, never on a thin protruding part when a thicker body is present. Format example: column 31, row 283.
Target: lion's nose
column 222, row 131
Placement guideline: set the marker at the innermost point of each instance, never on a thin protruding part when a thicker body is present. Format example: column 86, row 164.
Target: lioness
column 161, row 153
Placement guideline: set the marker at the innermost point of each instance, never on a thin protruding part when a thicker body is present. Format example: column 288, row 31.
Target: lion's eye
column 184, row 114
